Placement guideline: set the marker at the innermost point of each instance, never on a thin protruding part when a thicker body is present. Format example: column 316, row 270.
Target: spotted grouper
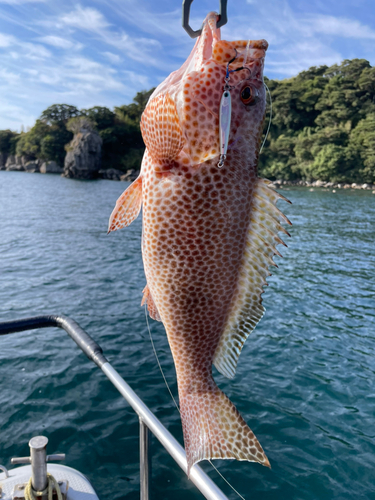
column 210, row 227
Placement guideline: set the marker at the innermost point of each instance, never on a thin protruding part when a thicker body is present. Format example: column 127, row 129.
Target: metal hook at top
column 223, row 18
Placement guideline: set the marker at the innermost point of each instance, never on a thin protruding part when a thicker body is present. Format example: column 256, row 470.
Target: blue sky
column 101, row 52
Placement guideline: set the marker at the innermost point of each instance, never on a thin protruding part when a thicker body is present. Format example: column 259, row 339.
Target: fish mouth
column 239, row 53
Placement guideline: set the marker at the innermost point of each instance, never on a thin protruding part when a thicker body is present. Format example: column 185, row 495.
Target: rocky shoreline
column 22, row 164
column 280, row 184
column 83, row 158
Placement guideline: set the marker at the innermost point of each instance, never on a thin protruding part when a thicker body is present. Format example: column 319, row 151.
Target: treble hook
column 223, row 18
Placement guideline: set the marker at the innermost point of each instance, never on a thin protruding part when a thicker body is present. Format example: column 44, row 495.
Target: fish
column 210, row 230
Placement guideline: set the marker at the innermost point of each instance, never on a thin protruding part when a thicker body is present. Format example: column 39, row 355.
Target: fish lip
column 210, row 34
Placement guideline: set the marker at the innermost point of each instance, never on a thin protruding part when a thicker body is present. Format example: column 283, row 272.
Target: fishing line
column 170, row 392
column 226, row 480
column 157, row 359
column 269, row 123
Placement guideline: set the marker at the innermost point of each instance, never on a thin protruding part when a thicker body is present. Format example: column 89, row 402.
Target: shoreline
column 131, row 174
column 280, row 183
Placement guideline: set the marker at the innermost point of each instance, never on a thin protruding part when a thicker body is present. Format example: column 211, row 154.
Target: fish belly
column 195, row 224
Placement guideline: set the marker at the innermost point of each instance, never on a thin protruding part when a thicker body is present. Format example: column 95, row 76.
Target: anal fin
column 152, row 309
column 247, row 308
column 127, row 206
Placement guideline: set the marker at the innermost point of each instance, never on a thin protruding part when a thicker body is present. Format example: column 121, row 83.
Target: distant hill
column 323, row 128
column 323, row 125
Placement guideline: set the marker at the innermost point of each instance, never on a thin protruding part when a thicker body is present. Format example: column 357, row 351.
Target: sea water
column 305, row 379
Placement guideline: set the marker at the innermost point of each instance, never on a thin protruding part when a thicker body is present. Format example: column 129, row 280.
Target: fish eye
column 248, row 96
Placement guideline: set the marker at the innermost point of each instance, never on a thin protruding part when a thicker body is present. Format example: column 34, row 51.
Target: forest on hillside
column 48, row 139
column 323, row 128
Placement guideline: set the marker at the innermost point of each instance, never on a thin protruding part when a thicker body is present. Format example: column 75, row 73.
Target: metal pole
column 197, row 476
column 94, row 352
column 38, row 447
column 144, row 460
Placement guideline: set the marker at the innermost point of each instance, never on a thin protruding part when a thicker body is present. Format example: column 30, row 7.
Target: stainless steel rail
column 147, row 420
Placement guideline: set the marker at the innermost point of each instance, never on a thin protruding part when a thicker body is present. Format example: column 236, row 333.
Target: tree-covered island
column 323, row 128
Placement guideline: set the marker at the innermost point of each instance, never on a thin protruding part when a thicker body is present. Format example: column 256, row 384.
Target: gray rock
column 3, row 160
column 15, row 168
column 83, row 158
column 111, row 174
column 130, row 175
column 31, row 166
column 14, row 161
column 319, row 183
column 11, row 160
column 50, row 167
column 25, row 159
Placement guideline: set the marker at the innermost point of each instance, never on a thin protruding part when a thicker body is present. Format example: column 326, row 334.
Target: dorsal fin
column 247, row 307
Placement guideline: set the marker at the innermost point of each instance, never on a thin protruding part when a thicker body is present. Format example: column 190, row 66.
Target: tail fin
column 213, row 428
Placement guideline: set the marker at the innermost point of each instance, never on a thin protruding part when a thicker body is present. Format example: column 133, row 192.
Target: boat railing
column 148, row 422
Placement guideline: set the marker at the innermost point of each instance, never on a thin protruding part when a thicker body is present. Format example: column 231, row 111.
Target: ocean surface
column 306, row 376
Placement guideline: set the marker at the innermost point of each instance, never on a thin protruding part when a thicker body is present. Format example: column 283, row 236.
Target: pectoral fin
column 161, row 131
column 247, row 308
column 127, row 207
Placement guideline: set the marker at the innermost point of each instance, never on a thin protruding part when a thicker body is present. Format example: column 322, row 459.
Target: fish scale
column 209, row 234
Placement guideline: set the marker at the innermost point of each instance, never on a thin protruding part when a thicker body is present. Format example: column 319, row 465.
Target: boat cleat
column 34, row 482
column 19, row 492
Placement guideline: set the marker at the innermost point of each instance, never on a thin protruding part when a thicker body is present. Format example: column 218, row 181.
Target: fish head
column 186, row 106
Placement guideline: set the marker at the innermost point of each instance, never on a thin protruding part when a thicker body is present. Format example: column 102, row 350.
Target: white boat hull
column 79, row 487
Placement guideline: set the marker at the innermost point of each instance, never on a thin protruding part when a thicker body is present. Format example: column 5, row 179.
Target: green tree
column 123, row 146
column 101, row 116
column 29, row 143
column 8, row 142
column 58, row 113
column 362, row 144
column 47, row 139
column 79, row 123
column 323, row 125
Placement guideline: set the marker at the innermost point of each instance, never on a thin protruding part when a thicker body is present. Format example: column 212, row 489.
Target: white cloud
column 14, row 55
column 136, row 79
column 297, row 41
column 154, row 23
column 113, row 58
column 8, row 78
column 101, row 53
column 141, row 49
column 23, row 49
column 85, row 18
column 57, row 41
column 34, row 51
column 6, row 40
column 341, row 27
column 145, row 50
column 20, row 2
column 13, row 116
